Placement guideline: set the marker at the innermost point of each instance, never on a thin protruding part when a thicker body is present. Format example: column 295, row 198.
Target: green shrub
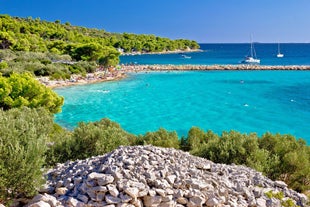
column 23, row 136
column 89, row 67
column 77, row 69
column 20, row 90
column 161, row 138
column 279, row 157
column 91, row 139
column 59, row 147
column 7, row 55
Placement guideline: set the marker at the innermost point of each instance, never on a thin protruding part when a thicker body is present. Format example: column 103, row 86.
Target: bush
column 58, row 146
column 89, row 67
column 91, row 139
column 160, row 138
column 279, row 157
column 23, row 136
column 20, row 90
column 294, row 159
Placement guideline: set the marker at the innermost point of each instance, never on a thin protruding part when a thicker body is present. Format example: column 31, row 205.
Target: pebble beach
column 117, row 74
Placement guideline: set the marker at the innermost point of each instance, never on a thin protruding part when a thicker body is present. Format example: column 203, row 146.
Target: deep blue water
column 294, row 54
column 246, row 101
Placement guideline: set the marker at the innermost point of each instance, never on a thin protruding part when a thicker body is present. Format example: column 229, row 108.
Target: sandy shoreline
column 101, row 76
column 80, row 80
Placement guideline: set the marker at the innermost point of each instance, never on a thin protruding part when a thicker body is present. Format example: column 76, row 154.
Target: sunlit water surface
column 246, row 101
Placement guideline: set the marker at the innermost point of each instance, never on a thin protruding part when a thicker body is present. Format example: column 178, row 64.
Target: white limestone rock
column 153, row 176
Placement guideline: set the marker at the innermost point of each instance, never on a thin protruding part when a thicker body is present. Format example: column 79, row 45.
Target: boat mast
column 253, row 53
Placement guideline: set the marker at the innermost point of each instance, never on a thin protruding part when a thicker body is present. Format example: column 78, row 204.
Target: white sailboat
column 251, row 59
column 279, row 55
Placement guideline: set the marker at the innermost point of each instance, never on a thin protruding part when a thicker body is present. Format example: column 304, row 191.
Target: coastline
column 113, row 75
column 163, row 52
column 81, row 80
column 212, row 67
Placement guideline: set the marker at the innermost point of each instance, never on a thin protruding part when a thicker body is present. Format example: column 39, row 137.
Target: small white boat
column 186, row 57
column 251, row 58
column 279, row 55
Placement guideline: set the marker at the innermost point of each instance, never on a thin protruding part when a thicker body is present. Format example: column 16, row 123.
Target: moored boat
column 279, row 55
column 251, row 58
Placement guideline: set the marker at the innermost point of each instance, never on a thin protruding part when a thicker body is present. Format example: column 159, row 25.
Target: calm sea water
column 294, row 54
column 246, row 101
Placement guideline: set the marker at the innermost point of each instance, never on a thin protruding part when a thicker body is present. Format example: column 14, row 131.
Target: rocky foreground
column 153, row 176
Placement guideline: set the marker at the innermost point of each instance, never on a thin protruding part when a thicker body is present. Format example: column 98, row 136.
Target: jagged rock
column 261, row 202
column 61, row 191
column 113, row 190
column 182, row 200
column 212, row 202
column 112, row 200
column 152, row 176
column 40, row 204
column 151, row 201
column 133, row 192
column 51, row 200
column 196, row 201
column 280, row 184
column 83, row 198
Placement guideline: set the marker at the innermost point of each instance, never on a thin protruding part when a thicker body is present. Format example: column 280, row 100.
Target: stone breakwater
column 152, row 176
column 212, row 67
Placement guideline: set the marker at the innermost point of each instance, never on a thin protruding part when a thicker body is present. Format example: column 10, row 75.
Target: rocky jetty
column 213, row 67
column 153, row 176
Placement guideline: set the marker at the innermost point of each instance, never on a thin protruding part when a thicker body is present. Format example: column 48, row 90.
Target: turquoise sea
column 246, row 101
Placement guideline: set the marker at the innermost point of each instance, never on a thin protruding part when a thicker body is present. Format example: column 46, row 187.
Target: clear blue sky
column 208, row 21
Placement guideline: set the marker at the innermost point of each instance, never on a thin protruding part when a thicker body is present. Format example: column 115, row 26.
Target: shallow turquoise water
column 246, row 101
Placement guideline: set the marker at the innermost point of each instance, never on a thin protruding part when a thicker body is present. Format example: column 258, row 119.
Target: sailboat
column 251, row 59
column 279, row 55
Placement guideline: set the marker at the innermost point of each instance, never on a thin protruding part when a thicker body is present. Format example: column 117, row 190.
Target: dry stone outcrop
column 152, row 176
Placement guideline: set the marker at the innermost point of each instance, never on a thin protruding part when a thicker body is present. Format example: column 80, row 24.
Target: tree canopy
column 28, row 34
column 20, row 90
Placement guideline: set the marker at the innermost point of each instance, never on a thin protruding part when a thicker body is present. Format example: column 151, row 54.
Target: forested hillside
column 60, row 50
column 28, row 34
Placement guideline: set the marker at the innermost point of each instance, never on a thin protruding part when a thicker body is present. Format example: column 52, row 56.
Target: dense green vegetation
column 53, row 45
column 20, row 90
column 60, row 50
column 23, row 143
column 43, row 64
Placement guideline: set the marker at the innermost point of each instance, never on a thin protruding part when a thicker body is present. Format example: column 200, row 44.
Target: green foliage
column 88, row 66
column 23, row 136
column 27, row 34
column 20, row 90
column 3, row 65
column 279, row 196
column 294, row 159
column 90, row 139
column 161, row 138
column 59, row 146
column 110, row 58
column 279, row 157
